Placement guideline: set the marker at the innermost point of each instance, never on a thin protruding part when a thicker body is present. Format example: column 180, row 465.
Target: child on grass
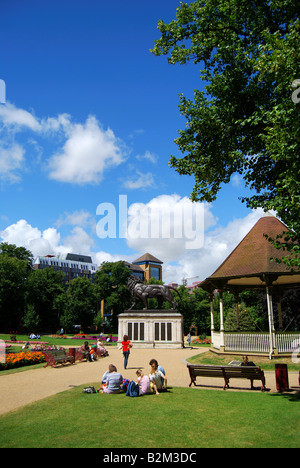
column 143, row 381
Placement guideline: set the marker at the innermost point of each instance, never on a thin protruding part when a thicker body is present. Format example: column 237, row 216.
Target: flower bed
column 41, row 348
column 14, row 360
column 201, row 341
column 82, row 336
column 28, row 341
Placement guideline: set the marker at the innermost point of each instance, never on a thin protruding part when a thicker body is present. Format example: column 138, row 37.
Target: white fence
column 286, row 342
column 217, row 340
column 256, row 342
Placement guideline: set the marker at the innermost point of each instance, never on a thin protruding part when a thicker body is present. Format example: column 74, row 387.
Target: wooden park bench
column 227, row 372
column 57, row 356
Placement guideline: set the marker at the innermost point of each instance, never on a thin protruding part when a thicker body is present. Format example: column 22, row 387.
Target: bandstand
column 249, row 266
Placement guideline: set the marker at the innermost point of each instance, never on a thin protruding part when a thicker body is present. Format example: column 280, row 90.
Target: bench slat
column 57, row 356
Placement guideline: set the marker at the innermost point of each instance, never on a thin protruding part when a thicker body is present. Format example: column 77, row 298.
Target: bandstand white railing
column 256, row 342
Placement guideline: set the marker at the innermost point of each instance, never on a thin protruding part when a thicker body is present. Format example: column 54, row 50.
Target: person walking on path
column 189, row 338
column 126, row 346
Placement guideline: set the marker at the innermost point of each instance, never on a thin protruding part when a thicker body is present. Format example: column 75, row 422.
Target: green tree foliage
column 15, row 266
column 195, row 308
column 20, row 253
column 80, row 303
column 111, row 286
column 44, row 287
column 246, row 323
column 13, row 278
column 31, row 320
column 245, row 120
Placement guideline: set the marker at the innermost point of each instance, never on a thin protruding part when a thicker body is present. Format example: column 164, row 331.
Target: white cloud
column 179, row 262
column 79, row 242
column 236, row 180
column 48, row 241
column 77, row 218
column 100, row 257
column 11, row 116
column 142, row 181
column 56, row 124
column 148, row 156
column 167, row 225
column 22, row 234
column 218, row 244
column 88, row 151
column 11, row 162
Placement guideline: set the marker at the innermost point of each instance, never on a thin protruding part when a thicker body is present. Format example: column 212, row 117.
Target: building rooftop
column 147, row 258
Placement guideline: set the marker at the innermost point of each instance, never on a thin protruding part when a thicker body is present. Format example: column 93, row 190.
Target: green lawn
column 180, row 418
column 66, row 342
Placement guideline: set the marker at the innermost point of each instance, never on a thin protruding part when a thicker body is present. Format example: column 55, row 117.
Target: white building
column 72, row 265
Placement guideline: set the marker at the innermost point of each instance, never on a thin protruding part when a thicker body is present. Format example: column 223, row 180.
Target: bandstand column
column 271, row 322
column 237, row 312
column 222, row 344
column 212, row 321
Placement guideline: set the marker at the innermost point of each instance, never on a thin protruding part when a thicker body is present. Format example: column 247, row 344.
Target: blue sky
column 90, row 115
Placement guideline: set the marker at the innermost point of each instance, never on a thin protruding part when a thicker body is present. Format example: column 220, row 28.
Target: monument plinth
column 152, row 328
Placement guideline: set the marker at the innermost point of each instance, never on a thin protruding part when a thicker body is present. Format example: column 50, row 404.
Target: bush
column 246, row 320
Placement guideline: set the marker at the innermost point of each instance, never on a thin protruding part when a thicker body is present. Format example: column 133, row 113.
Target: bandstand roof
column 249, row 265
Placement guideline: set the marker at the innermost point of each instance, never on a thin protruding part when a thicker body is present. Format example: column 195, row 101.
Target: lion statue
column 143, row 292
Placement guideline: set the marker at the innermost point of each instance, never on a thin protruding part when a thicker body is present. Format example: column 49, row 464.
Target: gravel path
column 26, row 387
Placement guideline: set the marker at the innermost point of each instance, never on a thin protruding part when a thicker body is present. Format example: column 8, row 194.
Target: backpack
column 133, row 390
column 125, row 384
column 89, row 390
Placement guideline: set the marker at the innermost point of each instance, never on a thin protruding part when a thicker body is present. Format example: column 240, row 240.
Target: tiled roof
column 252, row 255
column 147, row 258
column 250, row 264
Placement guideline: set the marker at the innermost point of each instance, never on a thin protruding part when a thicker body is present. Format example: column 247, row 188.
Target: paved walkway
column 22, row 388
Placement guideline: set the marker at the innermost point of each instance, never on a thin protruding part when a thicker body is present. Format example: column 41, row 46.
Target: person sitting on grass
column 157, row 377
column 161, row 369
column 113, row 381
column 143, row 381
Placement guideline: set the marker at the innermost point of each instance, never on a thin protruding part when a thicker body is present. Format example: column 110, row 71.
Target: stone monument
column 151, row 328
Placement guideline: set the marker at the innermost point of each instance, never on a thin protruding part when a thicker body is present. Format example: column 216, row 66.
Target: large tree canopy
column 246, row 120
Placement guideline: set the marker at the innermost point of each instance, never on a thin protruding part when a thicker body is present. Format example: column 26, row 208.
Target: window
column 130, row 331
column 160, row 332
column 155, row 273
column 136, row 331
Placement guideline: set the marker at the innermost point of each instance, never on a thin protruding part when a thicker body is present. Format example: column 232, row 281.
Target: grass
column 179, row 418
column 66, row 342
column 264, row 362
